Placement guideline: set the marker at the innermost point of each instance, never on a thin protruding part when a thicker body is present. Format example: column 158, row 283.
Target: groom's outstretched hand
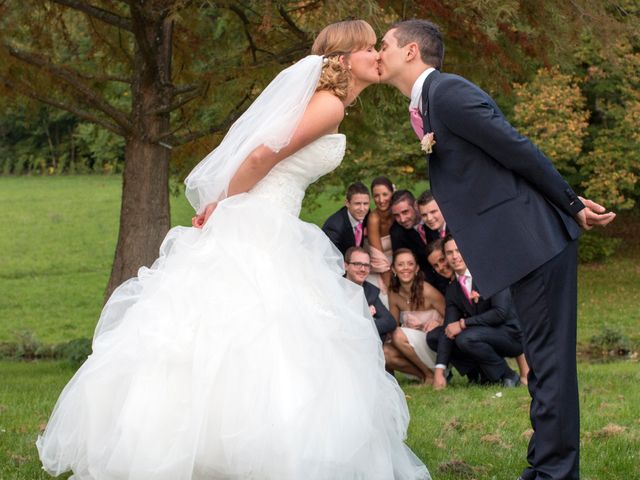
column 593, row 214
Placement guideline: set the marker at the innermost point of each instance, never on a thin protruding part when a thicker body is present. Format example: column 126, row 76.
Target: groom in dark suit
column 516, row 222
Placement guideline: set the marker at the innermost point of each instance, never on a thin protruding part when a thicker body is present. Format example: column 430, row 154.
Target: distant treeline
column 47, row 141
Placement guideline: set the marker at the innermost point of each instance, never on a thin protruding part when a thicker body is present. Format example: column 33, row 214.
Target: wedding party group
column 246, row 352
column 420, row 291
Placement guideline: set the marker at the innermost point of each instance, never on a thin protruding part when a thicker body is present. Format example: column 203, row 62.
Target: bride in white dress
column 242, row 353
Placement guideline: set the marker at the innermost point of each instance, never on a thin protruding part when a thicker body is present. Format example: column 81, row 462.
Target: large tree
column 159, row 73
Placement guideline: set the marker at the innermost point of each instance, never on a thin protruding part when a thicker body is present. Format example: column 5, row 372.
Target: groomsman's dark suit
column 512, row 215
column 339, row 230
column 385, row 323
column 410, row 238
column 492, row 332
column 435, row 234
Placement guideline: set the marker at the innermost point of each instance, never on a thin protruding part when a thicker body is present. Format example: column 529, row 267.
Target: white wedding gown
column 241, row 353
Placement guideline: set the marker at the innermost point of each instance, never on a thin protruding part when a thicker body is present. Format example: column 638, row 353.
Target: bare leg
column 523, row 367
column 400, row 341
column 394, row 360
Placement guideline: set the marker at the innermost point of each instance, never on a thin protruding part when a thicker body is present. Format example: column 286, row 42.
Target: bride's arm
column 322, row 116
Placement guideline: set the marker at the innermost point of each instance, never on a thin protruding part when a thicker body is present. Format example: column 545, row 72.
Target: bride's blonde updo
column 338, row 39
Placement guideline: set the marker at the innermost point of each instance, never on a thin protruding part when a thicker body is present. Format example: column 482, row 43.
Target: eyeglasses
column 366, row 266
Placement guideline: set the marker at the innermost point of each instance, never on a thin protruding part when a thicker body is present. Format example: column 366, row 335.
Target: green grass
column 462, row 429
column 57, row 242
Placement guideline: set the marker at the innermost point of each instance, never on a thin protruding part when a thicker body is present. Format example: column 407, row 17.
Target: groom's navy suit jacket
column 507, row 207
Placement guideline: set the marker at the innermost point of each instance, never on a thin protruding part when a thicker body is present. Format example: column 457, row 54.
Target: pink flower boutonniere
column 428, row 141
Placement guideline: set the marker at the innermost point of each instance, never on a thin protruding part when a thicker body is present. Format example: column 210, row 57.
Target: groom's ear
column 412, row 51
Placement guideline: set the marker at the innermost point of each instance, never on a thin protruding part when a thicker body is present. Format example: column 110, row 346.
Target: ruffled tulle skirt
column 241, row 353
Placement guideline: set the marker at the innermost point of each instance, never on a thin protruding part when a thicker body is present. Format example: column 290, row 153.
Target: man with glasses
column 357, row 265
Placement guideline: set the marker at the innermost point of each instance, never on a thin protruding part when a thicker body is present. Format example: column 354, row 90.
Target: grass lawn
column 461, row 433
column 57, row 240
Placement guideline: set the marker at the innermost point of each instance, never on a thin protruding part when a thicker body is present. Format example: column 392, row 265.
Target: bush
column 75, row 351
column 27, row 347
column 595, row 247
column 609, row 343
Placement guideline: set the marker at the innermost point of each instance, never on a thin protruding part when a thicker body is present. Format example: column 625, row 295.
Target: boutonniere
column 474, row 297
column 428, row 141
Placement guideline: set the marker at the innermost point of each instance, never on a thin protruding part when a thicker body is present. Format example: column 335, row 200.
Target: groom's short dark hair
column 428, row 37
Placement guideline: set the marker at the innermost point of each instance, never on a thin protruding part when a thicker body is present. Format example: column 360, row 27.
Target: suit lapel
column 425, row 100
column 464, row 301
column 348, row 229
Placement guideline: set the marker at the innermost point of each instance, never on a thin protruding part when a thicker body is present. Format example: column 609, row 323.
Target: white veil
column 271, row 121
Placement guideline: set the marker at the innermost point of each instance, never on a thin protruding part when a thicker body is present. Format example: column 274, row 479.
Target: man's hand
column 199, row 220
column 453, row 329
column 372, row 309
column 593, row 214
column 430, row 325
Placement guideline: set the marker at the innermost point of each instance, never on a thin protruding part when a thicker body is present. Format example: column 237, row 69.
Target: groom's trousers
column 546, row 303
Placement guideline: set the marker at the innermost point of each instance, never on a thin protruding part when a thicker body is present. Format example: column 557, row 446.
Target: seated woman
column 378, row 239
column 419, row 308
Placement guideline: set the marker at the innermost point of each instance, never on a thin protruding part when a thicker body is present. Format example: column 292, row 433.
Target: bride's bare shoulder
column 328, row 102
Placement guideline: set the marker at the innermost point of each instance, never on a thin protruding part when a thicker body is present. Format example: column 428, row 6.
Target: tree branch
column 292, row 26
column 78, row 112
column 73, row 79
column 174, row 141
column 141, row 38
column 245, row 24
column 175, row 105
column 180, row 89
column 99, row 13
column 105, row 78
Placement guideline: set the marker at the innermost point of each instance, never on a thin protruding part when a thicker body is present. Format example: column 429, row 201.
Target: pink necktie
column 416, row 122
column 443, row 233
column 423, row 234
column 358, row 234
column 462, row 279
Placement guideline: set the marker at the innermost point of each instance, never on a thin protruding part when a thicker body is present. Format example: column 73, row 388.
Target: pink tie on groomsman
column 421, row 231
column 462, row 280
column 443, row 232
column 358, row 234
column 416, row 122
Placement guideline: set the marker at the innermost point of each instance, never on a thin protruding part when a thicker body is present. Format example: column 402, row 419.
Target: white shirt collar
column 353, row 221
column 416, row 91
column 466, row 272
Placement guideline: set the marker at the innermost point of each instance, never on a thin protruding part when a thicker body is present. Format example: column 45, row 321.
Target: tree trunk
column 144, row 215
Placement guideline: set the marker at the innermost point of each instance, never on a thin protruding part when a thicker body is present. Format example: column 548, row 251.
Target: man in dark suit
column 515, row 220
column 432, row 217
column 357, row 266
column 346, row 227
column 409, row 231
column 485, row 330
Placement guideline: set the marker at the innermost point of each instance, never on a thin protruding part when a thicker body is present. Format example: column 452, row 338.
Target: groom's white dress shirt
column 416, row 90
